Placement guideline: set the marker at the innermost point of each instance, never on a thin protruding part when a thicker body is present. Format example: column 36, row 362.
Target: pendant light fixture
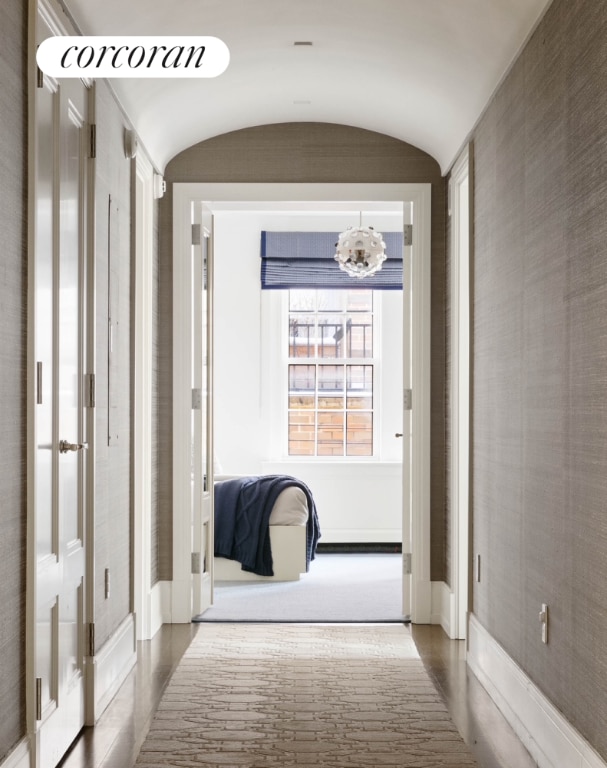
column 360, row 251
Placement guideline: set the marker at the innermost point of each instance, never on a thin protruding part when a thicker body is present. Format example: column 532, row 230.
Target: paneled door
column 59, row 423
column 202, row 421
column 407, row 433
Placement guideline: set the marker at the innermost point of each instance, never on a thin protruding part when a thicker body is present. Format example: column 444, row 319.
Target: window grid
column 331, row 373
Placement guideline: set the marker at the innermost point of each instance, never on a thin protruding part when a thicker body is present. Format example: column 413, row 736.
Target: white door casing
column 142, row 445
column 416, row 515
column 460, row 210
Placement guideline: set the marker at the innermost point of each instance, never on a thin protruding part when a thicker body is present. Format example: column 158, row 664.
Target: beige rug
column 272, row 696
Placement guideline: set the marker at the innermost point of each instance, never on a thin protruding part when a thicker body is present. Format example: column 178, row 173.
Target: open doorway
column 415, row 529
column 308, row 383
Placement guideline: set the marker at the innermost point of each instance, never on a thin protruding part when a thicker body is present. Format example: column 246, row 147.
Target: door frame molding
column 143, row 248
column 460, row 189
column 214, row 194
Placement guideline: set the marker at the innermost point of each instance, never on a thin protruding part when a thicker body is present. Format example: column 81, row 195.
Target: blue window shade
column 306, row 260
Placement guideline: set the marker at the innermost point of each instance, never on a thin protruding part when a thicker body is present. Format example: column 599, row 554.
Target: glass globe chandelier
column 360, row 251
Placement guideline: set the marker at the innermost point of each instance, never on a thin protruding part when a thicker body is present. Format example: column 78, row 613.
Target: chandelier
column 360, row 251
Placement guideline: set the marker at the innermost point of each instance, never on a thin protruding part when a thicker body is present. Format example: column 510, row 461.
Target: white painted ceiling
column 418, row 70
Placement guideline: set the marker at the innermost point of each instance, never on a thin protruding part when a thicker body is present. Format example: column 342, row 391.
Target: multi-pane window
column 331, row 362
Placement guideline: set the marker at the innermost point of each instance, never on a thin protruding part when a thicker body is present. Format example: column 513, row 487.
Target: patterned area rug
column 273, row 696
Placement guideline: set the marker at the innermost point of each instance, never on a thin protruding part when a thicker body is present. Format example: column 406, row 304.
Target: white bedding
column 290, row 508
column 288, row 532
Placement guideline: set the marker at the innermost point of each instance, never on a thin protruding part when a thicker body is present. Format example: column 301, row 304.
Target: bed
column 266, row 528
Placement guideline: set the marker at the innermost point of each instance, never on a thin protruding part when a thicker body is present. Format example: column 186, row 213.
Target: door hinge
column 91, row 639
column 92, row 141
column 38, row 383
column 196, row 234
column 195, row 562
column 408, row 234
column 407, row 563
column 38, row 698
column 89, row 390
column 196, row 399
column 408, row 399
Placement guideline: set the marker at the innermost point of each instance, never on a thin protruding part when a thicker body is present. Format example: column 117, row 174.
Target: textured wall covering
column 13, row 292
column 540, row 362
column 113, row 465
column 305, row 153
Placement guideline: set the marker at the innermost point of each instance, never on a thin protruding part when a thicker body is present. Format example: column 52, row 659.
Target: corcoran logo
column 139, row 56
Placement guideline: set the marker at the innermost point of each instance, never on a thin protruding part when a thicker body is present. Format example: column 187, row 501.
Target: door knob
column 65, row 447
column 398, row 434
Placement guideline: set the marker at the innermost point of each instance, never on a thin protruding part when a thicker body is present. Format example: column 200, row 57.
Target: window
column 331, row 372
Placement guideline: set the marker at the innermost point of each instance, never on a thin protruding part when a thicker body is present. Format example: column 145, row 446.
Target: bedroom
column 359, row 498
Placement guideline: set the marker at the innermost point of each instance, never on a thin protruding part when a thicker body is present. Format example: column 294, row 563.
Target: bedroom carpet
column 261, row 696
column 337, row 588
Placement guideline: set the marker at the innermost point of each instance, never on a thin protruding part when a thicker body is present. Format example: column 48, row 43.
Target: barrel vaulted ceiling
column 417, row 70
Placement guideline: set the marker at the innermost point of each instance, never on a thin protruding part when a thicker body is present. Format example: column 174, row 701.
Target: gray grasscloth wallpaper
column 539, row 457
column 13, row 361
column 305, row 152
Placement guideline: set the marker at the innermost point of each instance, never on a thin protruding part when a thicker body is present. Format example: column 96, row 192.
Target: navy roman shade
column 305, row 260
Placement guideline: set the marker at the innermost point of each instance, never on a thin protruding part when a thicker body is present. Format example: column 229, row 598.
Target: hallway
column 115, row 741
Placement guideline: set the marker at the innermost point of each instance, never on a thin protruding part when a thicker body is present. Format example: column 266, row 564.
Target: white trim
column 421, row 598
column 20, row 757
column 181, row 596
column 550, row 739
column 214, row 195
column 443, row 606
column 142, row 439
column 160, row 606
column 460, row 389
column 110, row 667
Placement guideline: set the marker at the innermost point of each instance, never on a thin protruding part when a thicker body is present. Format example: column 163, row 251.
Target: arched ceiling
column 418, row 70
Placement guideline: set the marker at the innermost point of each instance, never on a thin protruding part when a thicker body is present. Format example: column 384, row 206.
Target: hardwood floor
column 477, row 718
column 115, row 741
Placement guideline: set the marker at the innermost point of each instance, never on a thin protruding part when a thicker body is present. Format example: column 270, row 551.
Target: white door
column 201, row 415
column 59, row 419
column 407, row 429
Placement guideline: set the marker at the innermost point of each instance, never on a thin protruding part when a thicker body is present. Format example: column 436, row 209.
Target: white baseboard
column 19, row 757
column 442, row 606
column 111, row 665
column 160, row 606
column 549, row 738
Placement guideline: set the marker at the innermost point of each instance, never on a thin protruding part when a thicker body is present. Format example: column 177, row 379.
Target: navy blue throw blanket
column 242, row 520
